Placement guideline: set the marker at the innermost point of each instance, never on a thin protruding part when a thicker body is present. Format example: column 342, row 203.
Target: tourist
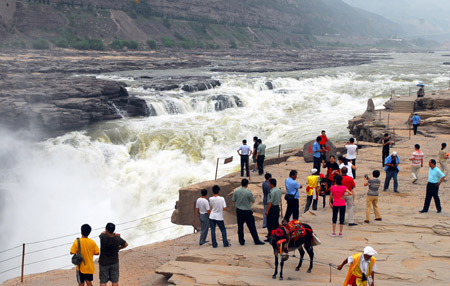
column 255, row 147
column 349, row 183
column 362, row 268
column 317, row 154
column 292, row 196
column 416, row 122
column 218, row 206
column 273, row 209
column 372, row 195
column 416, row 163
column 352, row 151
column 343, row 162
column 337, row 204
column 386, row 142
column 311, row 190
column 266, row 190
column 85, row 271
column 244, row 198
column 244, row 152
column 323, row 145
column 260, row 155
column 435, row 179
column 332, row 169
column 110, row 244
column 443, row 157
column 391, row 167
column 202, row 208
column 421, row 92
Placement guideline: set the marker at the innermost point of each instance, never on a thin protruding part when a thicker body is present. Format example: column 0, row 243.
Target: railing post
column 388, row 119
column 279, row 151
column 23, row 262
column 217, row 167
column 394, row 134
column 409, row 91
column 409, row 133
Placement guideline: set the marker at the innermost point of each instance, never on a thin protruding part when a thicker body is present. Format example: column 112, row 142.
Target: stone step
column 404, row 106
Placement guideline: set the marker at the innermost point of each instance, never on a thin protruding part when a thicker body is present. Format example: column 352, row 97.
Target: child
column 372, row 195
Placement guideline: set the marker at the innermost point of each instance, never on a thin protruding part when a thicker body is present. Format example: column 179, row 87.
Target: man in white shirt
column 245, row 152
column 202, row 207
column 218, row 205
column 352, row 150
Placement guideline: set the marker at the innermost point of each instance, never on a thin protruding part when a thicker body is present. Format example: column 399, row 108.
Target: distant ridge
column 207, row 23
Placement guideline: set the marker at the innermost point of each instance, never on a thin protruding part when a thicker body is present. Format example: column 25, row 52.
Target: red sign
column 228, row 160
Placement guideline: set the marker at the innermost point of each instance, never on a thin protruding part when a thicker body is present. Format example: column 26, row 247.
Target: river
column 129, row 171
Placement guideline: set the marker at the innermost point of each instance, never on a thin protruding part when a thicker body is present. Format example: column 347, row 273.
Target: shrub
column 233, row 44
column 168, row 42
column 89, row 44
column 40, row 44
column 151, row 44
column 120, row 44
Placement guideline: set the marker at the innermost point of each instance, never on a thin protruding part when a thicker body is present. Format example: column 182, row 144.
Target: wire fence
column 12, row 262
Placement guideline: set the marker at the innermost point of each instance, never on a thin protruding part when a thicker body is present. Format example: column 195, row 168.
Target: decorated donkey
column 289, row 237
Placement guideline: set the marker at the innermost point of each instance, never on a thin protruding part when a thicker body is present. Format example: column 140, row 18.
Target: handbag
column 289, row 197
column 77, row 258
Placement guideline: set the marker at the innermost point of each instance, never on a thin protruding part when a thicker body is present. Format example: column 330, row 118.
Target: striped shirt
column 417, row 158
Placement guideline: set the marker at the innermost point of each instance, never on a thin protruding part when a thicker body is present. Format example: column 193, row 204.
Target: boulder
column 269, row 85
column 308, row 153
column 369, row 114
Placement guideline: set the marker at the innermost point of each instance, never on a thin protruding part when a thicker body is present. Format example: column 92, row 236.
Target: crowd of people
column 336, row 181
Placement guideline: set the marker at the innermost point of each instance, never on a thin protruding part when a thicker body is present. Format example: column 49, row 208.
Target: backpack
column 77, row 258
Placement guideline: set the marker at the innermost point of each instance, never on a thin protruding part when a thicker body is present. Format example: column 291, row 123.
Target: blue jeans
column 221, row 224
column 389, row 175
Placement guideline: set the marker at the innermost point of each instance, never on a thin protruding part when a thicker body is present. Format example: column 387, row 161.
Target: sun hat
column 368, row 250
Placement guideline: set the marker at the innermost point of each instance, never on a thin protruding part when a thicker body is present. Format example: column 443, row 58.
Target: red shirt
column 348, row 182
column 323, row 140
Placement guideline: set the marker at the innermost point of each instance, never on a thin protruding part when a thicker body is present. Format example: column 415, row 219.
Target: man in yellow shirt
column 362, row 268
column 312, row 190
column 85, row 271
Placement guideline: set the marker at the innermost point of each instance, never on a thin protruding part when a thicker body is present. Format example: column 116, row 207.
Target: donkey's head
column 279, row 240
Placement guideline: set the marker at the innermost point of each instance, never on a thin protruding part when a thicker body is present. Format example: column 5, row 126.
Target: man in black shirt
column 110, row 244
column 386, row 142
column 332, row 168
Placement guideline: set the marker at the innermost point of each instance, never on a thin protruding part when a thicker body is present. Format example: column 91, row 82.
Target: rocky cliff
column 193, row 23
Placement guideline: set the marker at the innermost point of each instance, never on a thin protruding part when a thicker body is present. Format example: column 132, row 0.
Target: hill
column 186, row 24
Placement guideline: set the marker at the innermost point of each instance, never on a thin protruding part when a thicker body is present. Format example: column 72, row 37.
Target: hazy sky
column 418, row 17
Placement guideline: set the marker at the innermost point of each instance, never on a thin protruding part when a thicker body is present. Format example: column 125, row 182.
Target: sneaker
column 333, row 234
column 439, row 211
column 259, row 243
column 422, row 211
column 367, row 221
column 352, row 224
column 254, row 171
column 378, row 219
column 396, row 192
column 385, row 190
column 340, row 235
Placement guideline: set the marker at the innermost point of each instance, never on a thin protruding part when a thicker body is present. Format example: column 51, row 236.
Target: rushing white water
column 126, row 169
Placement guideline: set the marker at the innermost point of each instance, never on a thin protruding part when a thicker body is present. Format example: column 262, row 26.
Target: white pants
column 350, row 205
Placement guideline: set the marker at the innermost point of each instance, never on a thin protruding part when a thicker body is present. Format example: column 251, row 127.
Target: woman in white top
column 218, row 205
column 343, row 162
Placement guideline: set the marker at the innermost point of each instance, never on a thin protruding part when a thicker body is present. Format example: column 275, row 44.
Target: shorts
column 81, row 277
column 109, row 273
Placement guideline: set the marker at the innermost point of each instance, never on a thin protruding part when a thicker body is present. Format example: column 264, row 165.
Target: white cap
column 368, row 250
column 313, row 171
column 394, row 153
